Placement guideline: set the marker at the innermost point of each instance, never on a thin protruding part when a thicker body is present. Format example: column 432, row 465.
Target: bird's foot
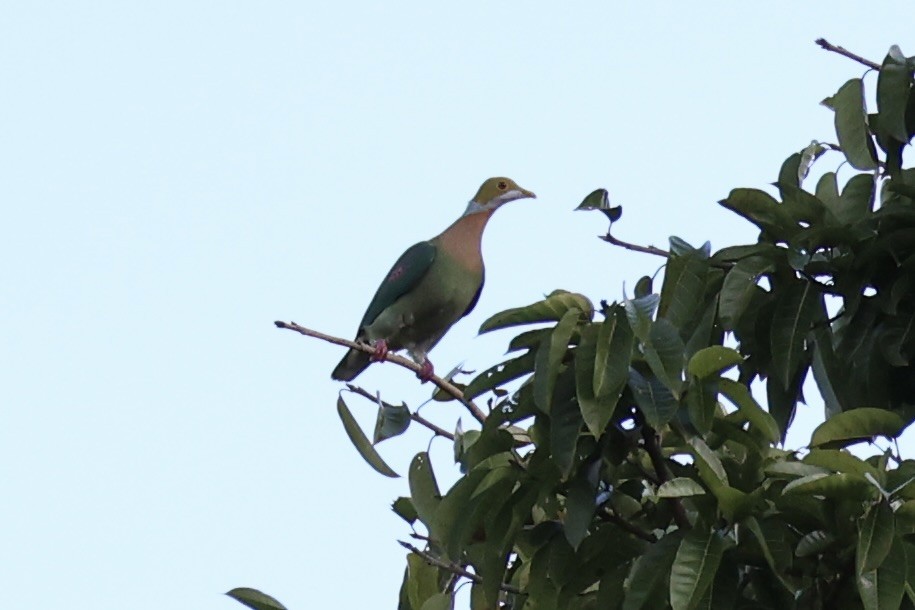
column 381, row 351
column 426, row 372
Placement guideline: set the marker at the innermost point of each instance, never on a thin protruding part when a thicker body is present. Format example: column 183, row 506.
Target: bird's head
column 495, row 192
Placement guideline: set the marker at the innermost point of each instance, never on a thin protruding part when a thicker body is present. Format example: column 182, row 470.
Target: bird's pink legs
column 381, row 351
column 426, row 372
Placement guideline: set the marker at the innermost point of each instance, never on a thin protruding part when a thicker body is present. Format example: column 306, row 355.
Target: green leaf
column 683, row 290
column 770, row 536
column 702, row 403
column 851, row 125
column 565, row 425
column 580, row 508
column 840, row 486
column 814, row 543
column 424, row 492
column 392, row 420
column 840, row 460
column 876, row 531
column 639, row 312
column 552, row 308
column 549, row 356
column 857, row 425
column 597, row 200
column 740, row 395
column 694, row 568
column 894, row 82
column 422, row 580
column 663, row 350
column 882, row 589
column 361, row 442
column 763, row 210
column 798, row 307
column 650, row 571
column 680, row 487
column 739, row 287
column 614, row 355
column 500, row 374
column 655, row 399
column 403, row 508
column 439, row 601
column 254, row 599
column 710, row 468
column 713, row 360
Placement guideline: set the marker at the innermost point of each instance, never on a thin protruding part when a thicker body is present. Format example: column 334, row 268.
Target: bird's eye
column 502, row 185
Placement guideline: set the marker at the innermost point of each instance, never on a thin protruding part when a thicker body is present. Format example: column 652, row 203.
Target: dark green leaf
column 404, row 509
column 361, row 442
column 702, row 403
column 857, row 425
column 392, row 420
column 694, row 568
column 639, row 312
column 831, row 486
column 439, row 601
column 739, row 287
column 851, row 125
column 883, row 588
column 649, row 572
column 549, row 357
column 876, row 531
column 654, row 398
column 894, row 82
column 814, row 543
column 500, row 374
column 797, row 308
column 424, row 492
column 597, row 200
column 552, row 308
column 422, row 580
column 664, row 352
column 565, row 424
column 763, row 210
column 707, row 462
column 580, row 507
column 683, row 290
column 254, row 599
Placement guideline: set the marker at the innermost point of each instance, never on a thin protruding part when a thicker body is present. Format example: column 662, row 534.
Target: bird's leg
column 381, row 351
column 426, row 372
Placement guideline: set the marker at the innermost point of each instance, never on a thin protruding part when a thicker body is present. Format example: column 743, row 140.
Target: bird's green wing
column 476, row 297
column 403, row 277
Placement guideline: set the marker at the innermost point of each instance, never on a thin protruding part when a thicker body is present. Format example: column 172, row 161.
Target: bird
column 432, row 285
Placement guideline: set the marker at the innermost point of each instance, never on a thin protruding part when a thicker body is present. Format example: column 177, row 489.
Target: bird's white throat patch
column 475, row 207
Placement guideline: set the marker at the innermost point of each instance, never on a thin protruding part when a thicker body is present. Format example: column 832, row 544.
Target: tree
column 624, row 459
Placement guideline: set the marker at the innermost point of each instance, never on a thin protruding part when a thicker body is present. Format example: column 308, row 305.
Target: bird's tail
column 353, row 363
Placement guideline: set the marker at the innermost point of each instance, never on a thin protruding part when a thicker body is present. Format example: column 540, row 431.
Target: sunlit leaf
column 713, row 360
column 254, row 599
column 680, row 487
column 740, row 395
column 552, row 308
column 857, row 425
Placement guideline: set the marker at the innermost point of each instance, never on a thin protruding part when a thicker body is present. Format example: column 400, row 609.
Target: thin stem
column 634, row 247
column 650, row 437
column 454, row 568
column 825, row 44
column 444, row 385
column 419, row 419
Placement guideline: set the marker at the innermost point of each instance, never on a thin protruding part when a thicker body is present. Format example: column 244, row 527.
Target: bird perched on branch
column 431, row 286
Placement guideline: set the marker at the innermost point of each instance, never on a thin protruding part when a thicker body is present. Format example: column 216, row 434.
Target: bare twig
column 454, row 568
column 444, row 385
column 825, row 44
column 610, row 516
column 419, row 419
column 634, row 247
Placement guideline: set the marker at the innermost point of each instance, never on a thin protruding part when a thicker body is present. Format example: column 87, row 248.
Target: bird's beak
column 522, row 193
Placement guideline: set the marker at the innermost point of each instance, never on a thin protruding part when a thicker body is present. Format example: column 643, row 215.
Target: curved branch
column 828, row 46
column 443, row 384
column 634, row 247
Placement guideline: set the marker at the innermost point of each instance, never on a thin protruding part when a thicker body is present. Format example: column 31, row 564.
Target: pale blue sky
column 176, row 175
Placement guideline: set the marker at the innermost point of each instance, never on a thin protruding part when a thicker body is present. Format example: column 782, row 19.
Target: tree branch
column 419, row 419
column 634, row 247
column 825, row 44
column 650, row 436
column 444, row 385
column 455, row 569
column 610, row 516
